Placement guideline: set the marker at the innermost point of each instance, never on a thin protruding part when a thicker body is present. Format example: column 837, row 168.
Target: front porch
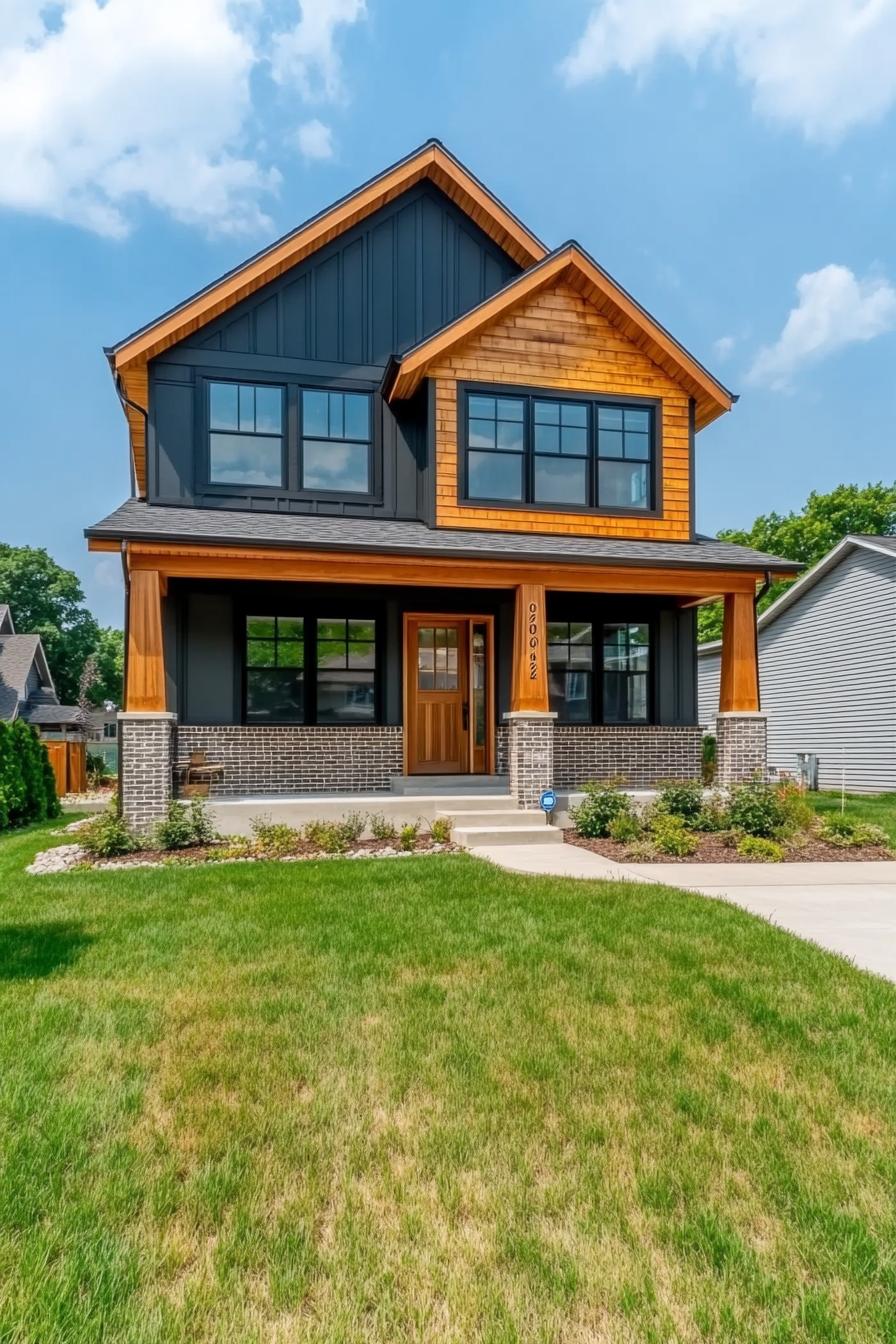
column 328, row 677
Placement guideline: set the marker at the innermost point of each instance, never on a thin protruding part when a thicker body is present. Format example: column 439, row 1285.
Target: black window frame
column 307, row 492
column 247, row 667
column 599, row 619
column 593, row 401
column 648, row 673
column 292, row 387
column 255, row 383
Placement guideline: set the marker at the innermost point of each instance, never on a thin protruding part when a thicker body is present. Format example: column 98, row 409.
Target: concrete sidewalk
column 849, row 908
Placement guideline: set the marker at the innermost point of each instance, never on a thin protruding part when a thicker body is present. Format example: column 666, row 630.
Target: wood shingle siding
column 558, row 340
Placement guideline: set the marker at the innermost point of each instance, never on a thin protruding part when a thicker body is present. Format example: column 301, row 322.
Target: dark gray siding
column 335, row 319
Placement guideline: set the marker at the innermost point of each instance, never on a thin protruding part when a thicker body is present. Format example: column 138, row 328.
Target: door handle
column 465, row 715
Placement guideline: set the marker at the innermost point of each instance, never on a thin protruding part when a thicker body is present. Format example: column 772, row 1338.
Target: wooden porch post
column 145, row 691
column 530, row 669
column 739, row 682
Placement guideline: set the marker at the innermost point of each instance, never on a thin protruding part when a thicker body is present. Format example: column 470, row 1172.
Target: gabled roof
column 6, row 623
column 18, row 655
column 570, row 263
column 851, row 543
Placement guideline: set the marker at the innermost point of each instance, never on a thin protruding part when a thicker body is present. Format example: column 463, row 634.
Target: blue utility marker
column 548, row 800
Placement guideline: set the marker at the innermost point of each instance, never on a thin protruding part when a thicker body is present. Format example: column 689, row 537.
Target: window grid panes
column 275, row 669
column 245, row 434
column 560, row 445
column 336, row 441
column 623, row 457
column 570, row 670
column 346, row 671
column 437, row 665
column 496, row 447
column 626, row 673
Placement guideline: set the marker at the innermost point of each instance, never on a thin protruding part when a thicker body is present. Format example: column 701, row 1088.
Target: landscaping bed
column 713, row 849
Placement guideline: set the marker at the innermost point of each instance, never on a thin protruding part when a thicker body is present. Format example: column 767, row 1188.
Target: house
column 827, row 654
column 414, row 495
column 26, row 685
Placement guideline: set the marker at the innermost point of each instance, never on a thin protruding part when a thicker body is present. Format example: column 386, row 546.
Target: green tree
column 109, row 655
column 806, row 536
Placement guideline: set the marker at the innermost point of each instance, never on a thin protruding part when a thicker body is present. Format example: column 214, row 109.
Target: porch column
column 530, row 721
column 146, row 729
column 741, row 728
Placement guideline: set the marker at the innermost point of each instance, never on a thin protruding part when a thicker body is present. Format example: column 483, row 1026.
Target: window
column 346, row 668
column 552, row 451
column 110, row 730
column 245, row 441
column 275, row 669
column 336, row 442
column 626, row 672
column 570, row 664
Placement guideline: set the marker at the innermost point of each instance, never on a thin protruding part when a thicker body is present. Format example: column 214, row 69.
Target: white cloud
column 315, row 140
column 306, row 53
column 106, row 103
column 833, row 309
column 723, row 346
column 824, row 65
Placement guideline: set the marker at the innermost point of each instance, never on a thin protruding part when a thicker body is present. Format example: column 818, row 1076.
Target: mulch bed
column 713, row 850
column 300, row 850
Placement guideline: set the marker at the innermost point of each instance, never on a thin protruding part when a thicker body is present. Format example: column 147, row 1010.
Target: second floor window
column 245, row 434
column 559, row 452
column 336, row 442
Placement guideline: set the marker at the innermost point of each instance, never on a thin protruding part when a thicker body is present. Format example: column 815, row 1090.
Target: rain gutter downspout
column 760, row 594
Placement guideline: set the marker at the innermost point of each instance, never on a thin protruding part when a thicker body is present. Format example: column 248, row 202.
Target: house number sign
column 534, row 641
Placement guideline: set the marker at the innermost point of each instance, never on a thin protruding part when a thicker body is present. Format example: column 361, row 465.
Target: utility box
column 807, row 769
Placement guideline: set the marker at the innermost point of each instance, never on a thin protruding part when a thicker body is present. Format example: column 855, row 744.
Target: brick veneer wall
column 741, row 747
column 531, row 748
column 640, row 756
column 502, row 751
column 296, row 760
column 146, row 759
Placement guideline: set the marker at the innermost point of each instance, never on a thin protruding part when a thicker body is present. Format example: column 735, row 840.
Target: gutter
column 124, row 671
column 126, row 402
column 760, row 594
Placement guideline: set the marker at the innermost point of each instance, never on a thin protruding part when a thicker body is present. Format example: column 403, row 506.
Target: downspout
column 760, row 594
column 124, row 670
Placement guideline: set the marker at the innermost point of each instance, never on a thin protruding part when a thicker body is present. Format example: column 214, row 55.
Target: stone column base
column 146, row 762
column 531, row 755
column 741, row 747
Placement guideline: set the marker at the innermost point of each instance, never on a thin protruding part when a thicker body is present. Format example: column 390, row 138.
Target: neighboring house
column 102, row 724
column 26, row 686
column 827, row 660
column 408, row 484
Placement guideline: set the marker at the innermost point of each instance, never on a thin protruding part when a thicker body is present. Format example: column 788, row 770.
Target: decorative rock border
column 65, row 858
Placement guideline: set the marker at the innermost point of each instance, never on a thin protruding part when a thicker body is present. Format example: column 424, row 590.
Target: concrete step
column 493, row 816
column 431, row 785
column 471, row 837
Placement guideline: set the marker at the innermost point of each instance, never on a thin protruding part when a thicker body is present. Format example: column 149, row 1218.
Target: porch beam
column 145, row 690
column 530, row 672
column 739, row 681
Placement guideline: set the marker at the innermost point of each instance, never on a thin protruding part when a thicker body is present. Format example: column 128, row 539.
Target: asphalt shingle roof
column 137, row 520
column 46, row 715
column 17, row 655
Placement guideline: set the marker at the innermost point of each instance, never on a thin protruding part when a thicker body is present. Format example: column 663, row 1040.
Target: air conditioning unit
column 807, row 770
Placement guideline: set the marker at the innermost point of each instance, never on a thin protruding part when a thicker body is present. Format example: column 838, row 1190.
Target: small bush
column 275, row 839
column 713, row 816
column 760, row 848
column 407, row 836
column 670, row 835
column 329, row 836
column 440, row 830
column 799, row 815
column 758, row 808
column 709, row 758
column 107, row 835
column 235, row 847
column 641, row 851
column 846, row 833
column 174, row 831
column 97, row 770
column 683, row 800
column 598, row 809
column 382, row 828
column 625, row 828
column 353, row 826
column 201, row 823
column 27, row 783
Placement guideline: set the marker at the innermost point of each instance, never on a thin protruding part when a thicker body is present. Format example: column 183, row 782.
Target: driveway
column 846, row 907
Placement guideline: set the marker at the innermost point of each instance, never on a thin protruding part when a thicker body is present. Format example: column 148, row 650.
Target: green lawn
column 877, row 808
column 425, row 1100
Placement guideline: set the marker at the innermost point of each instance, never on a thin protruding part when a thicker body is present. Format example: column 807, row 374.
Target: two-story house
column 413, row 494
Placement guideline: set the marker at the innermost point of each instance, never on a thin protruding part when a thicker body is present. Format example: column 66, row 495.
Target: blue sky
column 732, row 165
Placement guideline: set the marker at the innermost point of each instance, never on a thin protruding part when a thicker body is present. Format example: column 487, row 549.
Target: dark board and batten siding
column 336, row 319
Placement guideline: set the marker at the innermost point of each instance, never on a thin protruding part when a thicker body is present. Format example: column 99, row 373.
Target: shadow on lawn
column 29, row 951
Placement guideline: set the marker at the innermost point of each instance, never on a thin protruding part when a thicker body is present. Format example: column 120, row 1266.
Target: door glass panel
column 477, row 690
column 437, row 668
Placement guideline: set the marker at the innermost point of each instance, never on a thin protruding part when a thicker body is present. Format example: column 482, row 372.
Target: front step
column 431, row 786
column 474, row 837
column 496, row 816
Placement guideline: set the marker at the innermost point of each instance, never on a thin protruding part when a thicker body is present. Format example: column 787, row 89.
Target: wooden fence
column 69, row 762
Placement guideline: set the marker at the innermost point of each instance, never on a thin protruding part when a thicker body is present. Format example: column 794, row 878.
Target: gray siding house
column 827, row 668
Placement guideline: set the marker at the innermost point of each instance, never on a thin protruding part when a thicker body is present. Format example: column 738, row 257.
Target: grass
column 426, row 1100
column 877, row 808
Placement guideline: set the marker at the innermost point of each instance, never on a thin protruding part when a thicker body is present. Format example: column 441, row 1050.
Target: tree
column 109, row 663
column 48, row 600
column 806, row 536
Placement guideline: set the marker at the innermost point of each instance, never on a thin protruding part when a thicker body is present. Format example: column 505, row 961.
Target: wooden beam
column 530, row 664
column 739, row 681
column 145, row 690
column 298, row 566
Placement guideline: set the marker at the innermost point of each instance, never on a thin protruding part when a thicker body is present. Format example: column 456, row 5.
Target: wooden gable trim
column 570, row 264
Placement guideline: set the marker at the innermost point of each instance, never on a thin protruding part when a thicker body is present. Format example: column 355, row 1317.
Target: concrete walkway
column 849, row 908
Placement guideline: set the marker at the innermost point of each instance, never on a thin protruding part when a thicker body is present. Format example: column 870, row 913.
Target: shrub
column 670, row 835
column 625, row 827
column 799, row 814
column 275, row 839
column 600, row 806
column 641, row 851
column 27, row 783
column 352, row 826
column 407, row 836
column 201, row 823
column 758, row 808
column 713, row 816
column 329, row 836
column 235, row 847
column 760, row 848
column 440, row 830
column 709, row 758
column 97, row 771
column 382, row 828
column 107, row 835
column 683, row 800
column 848, row 834
column 183, row 827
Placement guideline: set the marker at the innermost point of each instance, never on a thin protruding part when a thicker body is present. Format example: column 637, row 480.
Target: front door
column 447, row 681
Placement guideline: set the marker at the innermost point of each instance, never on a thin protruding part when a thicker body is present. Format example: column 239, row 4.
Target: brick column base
column 741, row 747
column 531, row 755
column 146, row 760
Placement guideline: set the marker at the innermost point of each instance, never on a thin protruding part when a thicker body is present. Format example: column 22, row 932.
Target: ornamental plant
column 760, row 849
column 602, row 804
column 684, row 799
column 758, row 808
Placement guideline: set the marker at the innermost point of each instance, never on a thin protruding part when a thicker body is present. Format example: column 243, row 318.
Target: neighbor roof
column 849, row 544
column 18, row 655
column 572, row 264
column 6, row 623
column 137, row 520
column 46, row 715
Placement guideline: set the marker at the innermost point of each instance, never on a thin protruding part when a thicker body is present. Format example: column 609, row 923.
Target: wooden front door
column 447, row 694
